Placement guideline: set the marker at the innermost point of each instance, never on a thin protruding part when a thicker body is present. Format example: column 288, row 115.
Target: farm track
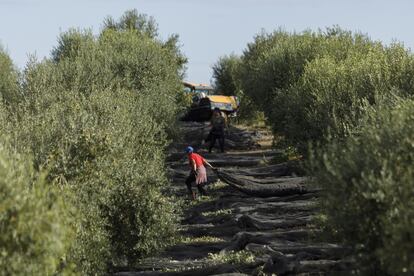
column 278, row 231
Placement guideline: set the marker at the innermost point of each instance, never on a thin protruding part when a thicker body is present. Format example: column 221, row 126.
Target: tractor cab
column 197, row 91
column 204, row 100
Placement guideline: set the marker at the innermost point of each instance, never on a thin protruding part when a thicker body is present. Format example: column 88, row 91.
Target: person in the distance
column 218, row 124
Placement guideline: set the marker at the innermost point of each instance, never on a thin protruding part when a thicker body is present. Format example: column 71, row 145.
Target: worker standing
column 218, row 124
column 198, row 173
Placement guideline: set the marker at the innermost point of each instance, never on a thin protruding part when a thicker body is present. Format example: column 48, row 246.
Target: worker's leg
column 212, row 142
column 201, row 190
column 221, row 142
column 191, row 179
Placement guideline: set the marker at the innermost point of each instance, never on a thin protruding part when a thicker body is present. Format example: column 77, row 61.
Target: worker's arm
column 193, row 165
column 208, row 164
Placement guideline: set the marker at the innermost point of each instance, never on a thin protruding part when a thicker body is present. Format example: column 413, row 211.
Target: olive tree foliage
column 318, row 80
column 36, row 230
column 129, row 59
column 9, row 89
column 34, row 221
column 330, row 96
column 225, row 75
column 368, row 180
column 70, row 44
column 145, row 25
column 345, row 102
column 96, row 117
column 108, row 148
column 227, row 81
column 132, row 20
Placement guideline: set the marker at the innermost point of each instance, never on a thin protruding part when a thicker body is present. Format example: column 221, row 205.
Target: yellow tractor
column 203, row 102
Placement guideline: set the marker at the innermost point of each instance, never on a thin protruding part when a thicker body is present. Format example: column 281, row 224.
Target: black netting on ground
column 266, row 209
column 265, row 188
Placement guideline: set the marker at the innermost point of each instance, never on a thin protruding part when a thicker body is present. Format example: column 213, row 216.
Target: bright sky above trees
column 207, row 28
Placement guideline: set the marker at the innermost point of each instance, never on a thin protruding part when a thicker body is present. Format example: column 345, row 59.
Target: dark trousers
column 213, row 138
column 190, row 180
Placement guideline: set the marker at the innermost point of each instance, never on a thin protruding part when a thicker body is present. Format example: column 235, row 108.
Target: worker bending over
column 198, row 173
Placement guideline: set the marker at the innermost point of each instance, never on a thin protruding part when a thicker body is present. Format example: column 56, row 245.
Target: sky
column 208, row 29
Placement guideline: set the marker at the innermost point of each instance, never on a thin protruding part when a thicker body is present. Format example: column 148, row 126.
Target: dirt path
column 233, row 233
